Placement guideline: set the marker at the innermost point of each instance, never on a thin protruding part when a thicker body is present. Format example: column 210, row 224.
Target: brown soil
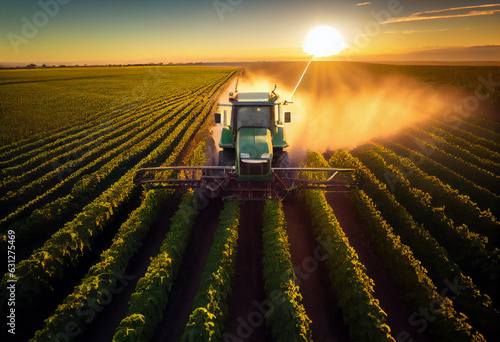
column 319, row 299
column 104, row 325
column 245, row 319
column 386, row 291
column 186, row 285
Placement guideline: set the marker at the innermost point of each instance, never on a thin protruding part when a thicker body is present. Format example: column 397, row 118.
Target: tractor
column 252, row 163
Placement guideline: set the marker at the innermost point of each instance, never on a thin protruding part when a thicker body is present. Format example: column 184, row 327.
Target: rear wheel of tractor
column 226, row 158
column 281, row 159
column 210, row 151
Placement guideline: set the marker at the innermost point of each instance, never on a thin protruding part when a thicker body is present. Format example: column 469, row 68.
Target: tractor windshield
column 254, row 116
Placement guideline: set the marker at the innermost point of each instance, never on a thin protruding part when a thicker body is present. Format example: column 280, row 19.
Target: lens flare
column 324, row 41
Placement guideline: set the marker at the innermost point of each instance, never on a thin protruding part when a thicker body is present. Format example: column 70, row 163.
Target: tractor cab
column 253, row 135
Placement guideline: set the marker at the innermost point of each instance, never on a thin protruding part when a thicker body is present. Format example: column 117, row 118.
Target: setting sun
column 324, row 41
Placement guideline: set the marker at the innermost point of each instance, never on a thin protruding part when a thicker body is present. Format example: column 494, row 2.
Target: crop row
column 466, row 248
column 457, row 129
column 408, row 273
column 442, row 270
column 79, row 308
column 453, row 161
column 439, row 138
column 484, row 123
column 85, row 187
column 477, row 130
column 57, row 169
column 484, row 198
column 101, row 120
column 101, row 280
column 68, row 245
column 23, row 149
column 458, row 207
column 101, row 146
column 144, row 313
column 45, row 159
column 286, row 316
column 210, row 308
column 355, row 290
column 83, row 183
column 151, row 294
column 477, row 150
column 121, row 106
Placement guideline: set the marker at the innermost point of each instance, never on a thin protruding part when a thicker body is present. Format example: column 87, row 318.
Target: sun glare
column 324, row 41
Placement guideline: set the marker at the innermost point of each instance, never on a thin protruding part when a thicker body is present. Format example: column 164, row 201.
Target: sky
column 133, row 31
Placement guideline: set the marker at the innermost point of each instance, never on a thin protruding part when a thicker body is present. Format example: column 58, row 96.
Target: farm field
column 409, row 252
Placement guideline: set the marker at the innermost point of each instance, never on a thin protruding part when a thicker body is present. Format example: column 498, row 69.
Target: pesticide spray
column 343, row 104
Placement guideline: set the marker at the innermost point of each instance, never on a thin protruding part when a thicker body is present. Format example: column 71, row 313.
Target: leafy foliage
column 467, row 249
column 433, row 257
column 65, row 248
column 287, row 318
column 206, row 322
column 103, row 277
column 151, row 293
column 361, row 311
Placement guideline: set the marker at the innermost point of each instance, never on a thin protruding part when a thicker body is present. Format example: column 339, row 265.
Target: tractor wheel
column 226, row 158
column 281, row 159
column 210, row 151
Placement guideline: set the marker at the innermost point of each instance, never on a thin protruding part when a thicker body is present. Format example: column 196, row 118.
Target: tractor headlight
column 244, row 155
column 266, row 156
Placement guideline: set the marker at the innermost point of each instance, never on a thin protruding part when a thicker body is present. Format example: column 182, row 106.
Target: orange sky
column 128, row 31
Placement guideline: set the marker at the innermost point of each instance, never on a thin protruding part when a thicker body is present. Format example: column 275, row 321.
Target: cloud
column 363, row 3
column 424, row 31
column 470, row 11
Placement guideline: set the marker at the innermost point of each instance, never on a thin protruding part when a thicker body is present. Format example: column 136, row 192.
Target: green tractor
column 252, row 164
column 253, row 135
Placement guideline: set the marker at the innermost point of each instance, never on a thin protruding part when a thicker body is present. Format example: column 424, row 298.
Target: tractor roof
column 253, row 103
column 253, row 96
column 252, row 99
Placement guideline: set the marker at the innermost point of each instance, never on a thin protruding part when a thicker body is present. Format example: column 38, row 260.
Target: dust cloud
column 341, row 104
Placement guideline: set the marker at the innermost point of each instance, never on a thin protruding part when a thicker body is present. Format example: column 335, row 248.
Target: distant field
column 36, row 102
column 465, row 76
column 456, row 75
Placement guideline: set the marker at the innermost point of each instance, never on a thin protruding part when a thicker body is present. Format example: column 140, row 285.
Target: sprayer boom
column 222, row 181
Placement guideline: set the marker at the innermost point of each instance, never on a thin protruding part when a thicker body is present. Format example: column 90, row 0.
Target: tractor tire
column 226, row 158
column 281, row 159
column 210, row 151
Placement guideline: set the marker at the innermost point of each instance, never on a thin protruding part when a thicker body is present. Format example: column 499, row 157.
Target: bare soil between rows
column 103, row 327
column 319, row 298
column 246, row 314
column 391, row 297
column 186, row 285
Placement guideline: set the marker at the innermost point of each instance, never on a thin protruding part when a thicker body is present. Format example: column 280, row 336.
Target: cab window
column 253, row 116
